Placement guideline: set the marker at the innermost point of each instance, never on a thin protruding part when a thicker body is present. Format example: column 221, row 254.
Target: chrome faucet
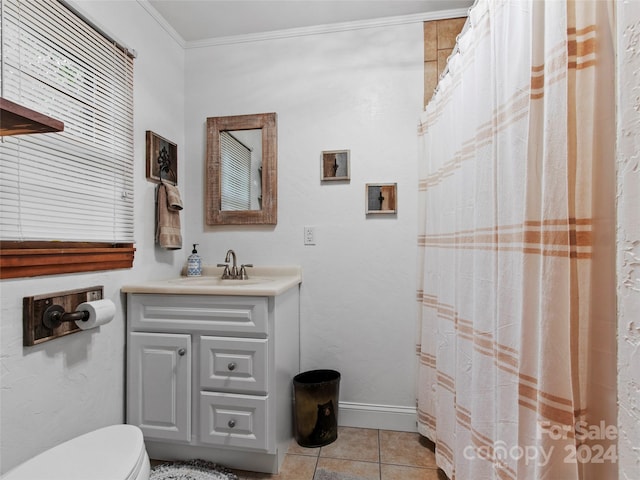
column 234, row 267
column 233, row 272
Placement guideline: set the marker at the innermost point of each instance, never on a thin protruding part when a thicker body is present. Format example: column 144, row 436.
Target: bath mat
column 191, row 470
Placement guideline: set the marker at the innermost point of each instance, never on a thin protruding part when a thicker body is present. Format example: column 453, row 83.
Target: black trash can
column 315, row 405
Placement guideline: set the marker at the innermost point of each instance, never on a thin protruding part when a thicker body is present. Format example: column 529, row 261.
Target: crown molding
column 321, row 29
column 163, row 23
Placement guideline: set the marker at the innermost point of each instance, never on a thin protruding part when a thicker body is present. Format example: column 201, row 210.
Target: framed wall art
column 381, row 198
column 335, row 165
column 162, row 159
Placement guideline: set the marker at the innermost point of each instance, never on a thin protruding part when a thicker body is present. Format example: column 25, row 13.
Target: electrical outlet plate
column 309, row 235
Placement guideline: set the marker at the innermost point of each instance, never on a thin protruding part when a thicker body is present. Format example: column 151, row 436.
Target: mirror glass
column 241, row 169
column 241, row 179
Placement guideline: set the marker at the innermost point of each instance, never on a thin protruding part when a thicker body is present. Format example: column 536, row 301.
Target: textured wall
column 70, row 385
column 628, row 18
column 359, row 90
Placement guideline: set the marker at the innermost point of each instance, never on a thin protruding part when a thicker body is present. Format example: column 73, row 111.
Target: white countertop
column 263, row 281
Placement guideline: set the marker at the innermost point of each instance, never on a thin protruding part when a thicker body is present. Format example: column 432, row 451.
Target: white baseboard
column 384, row 417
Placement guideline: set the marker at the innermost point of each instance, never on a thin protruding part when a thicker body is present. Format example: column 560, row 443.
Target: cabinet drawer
column 240, row 316
column 233, row 420
column 234, row 364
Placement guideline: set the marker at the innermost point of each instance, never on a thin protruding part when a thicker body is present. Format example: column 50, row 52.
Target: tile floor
column 360, row 453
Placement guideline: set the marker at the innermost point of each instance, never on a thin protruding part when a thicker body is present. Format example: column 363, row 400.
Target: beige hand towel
column 174, row 202
column 167, row 222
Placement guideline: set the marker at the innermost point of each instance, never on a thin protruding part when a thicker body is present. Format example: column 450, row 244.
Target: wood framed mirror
column 241, row 177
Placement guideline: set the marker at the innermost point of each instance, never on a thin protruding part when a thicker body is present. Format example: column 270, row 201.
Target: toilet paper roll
column 100, row 312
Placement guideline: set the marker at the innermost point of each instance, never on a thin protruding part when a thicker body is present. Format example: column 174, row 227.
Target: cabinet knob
column 231, row 366
column 181, row 352
column 231, row 423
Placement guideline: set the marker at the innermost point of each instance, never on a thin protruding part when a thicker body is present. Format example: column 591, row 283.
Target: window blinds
column 236, row 173
column 75, row 185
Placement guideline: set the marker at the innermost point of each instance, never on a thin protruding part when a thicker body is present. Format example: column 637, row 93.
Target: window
column 66, row 198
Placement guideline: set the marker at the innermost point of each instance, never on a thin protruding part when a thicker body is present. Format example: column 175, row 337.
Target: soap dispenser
column 194, row 263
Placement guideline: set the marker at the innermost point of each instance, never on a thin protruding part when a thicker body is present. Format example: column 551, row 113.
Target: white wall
column 74, row 384
column 359, row 90
column 628, row 19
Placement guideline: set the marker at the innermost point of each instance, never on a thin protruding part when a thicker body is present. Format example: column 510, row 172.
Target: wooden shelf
column 18, row 120
column 31, row 259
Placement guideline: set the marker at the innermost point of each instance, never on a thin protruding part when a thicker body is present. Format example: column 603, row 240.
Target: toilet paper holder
column 55, row 315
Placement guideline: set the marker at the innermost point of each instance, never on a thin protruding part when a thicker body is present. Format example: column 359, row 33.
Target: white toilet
column 116, row 452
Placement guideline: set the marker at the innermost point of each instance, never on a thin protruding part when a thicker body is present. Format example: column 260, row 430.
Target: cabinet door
column 159, row 385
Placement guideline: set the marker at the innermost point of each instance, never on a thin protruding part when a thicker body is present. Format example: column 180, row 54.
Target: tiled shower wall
column 439, row 40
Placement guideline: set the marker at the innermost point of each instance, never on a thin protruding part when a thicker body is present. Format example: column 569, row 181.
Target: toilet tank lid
column 109, row 453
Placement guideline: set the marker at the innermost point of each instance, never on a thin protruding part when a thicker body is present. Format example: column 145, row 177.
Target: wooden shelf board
column 18, row 120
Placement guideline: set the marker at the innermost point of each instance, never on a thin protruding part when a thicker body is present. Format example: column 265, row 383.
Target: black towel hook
column 164, row 163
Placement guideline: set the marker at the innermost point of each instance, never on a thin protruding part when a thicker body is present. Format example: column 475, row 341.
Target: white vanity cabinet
column 210, row 376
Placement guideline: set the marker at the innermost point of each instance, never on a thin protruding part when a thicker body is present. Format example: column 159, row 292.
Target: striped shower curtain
column 516, row 293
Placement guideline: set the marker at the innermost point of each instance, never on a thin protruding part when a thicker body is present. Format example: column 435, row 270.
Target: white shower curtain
column 516, row 295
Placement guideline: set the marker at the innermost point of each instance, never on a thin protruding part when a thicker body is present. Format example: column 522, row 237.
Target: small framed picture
column 381, row 198
column 162, row 159
column 335, row 165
